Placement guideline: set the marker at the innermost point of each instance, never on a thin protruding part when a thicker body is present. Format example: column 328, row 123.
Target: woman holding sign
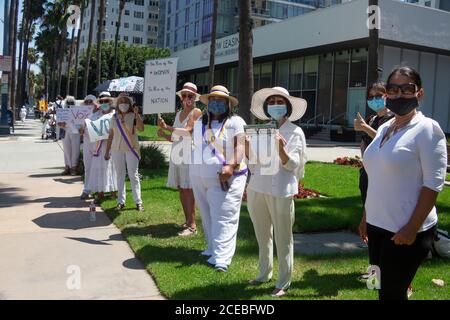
column 71, row 143
column 178, row 169
column 218, row 173
column 102, row 175
column 270, row 195
column 124, row 145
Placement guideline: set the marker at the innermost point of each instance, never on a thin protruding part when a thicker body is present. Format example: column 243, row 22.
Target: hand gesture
column 280, row 141
column 136, row 110
column 359, row 123
column 161, row 123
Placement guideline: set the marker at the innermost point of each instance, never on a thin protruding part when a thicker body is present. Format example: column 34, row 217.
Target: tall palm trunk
column 68, row 63
column 19, row 65
column 212, row 54
column 53, row 73
column 245, row 73
column 13, row 19
column 75, row 85
column 116, row 38
column 99, row 41
column 27, row 34
column 62, row 49
column 88, row 52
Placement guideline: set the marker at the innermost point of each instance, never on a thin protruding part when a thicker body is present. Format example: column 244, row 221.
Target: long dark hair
column 407, row 72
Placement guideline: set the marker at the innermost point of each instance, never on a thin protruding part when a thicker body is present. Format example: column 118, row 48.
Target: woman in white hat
column 102, row 175
column 88, row 146
column 178, row 176
column 270, row 195
column 124, row 145
column 71, row 142
column 218, row 173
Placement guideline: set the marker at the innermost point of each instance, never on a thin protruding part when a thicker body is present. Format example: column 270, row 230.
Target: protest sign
column 160, row 85
column 99, row 129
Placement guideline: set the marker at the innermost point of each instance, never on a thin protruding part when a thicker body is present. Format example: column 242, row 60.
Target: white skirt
column 103, row 176
column 178, row 176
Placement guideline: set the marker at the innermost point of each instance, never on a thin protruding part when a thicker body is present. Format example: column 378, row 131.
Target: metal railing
column 329, row 122
column 312, row 119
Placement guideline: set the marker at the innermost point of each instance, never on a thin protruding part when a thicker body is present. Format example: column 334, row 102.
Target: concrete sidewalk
column 49, row 249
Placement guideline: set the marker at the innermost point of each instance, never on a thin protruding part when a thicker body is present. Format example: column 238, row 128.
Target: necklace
column 396, row 127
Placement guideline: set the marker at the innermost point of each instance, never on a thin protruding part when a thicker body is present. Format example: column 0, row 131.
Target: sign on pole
column 73, row 117
column 160, row 84
column 5, row 63
column 99, row 129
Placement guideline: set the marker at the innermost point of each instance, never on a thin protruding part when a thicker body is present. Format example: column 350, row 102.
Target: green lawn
column 181, row 273
column 150, row 134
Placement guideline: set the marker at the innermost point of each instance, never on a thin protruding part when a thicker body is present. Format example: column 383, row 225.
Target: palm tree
column 20, row 37
column 88, row 50
column 83, row 4
column 62, row 44
column 116, row 38
column 32, row 58
column 245, row 68
column 99, row 41
column 13, row 19
column 212, row 53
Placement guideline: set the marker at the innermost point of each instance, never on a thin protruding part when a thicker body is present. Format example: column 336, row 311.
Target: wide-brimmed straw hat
column 260, row 97
column 189, row 87
column 219, row 91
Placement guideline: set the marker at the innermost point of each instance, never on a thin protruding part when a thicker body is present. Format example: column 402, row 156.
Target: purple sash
column 125, row 137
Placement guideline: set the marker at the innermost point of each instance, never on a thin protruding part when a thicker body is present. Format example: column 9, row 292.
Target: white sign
column 5, row 63
column 73, row 117
column 99, row 129
column 160, row 85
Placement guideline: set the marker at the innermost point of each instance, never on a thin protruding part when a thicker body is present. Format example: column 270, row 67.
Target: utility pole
column 4, row 125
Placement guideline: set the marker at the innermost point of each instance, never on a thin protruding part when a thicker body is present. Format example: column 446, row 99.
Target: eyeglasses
column 407, row 89
column 187, row 96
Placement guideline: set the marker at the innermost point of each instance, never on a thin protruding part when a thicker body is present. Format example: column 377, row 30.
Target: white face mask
column 124, row 107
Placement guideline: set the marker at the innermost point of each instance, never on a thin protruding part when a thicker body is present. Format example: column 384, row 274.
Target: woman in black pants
column 406, row 165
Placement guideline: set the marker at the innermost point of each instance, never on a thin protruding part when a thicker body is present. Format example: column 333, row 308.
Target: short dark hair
column 288, row 107
column 407, row 72
column 377, row 85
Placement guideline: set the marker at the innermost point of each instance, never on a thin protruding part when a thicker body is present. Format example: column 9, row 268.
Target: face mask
column 105, row 106
column 124, row 107
column 402, row 106
column 277, row 111
column 217, row 107
column 376, row 104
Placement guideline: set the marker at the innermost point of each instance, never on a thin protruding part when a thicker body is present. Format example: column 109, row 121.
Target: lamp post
column 4, row 125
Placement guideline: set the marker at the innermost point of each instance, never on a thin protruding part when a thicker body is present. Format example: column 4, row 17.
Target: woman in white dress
column 71, row 142
column 270, row 195
column 23, row 113
column 102, row 176
column 88, row 146
column 178, row 176
column 218, row 173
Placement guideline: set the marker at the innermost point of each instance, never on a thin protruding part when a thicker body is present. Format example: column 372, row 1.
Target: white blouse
column 414, row 157
column 284, row 183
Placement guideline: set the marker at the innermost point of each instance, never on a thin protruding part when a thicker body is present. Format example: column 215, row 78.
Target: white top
column 204, row 162
column 181, row 143
column 284, row 183
column 413, row 158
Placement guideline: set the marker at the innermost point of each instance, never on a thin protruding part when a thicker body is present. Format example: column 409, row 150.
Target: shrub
column 349, row 161
column 152, row 157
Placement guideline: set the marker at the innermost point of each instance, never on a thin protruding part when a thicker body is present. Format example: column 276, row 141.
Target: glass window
column 358, row 68
column 282, row 73
column 265, row 80
column 197, row 10
column 324, row 93
column 310, row 72
column 295, row 76
column 186, row 16
column 232, row 79
column 186, row 32
column 256, row 74
column 340, row 85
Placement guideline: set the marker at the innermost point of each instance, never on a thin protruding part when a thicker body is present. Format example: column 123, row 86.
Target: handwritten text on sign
column 73, row 117
column 99, row 129
column 160, row 85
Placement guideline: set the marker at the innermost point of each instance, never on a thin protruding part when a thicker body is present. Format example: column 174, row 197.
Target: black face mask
column 402, row 106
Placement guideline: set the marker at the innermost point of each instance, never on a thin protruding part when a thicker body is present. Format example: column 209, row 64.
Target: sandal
column 120, row 206
column 140, row 207
column 188, row 231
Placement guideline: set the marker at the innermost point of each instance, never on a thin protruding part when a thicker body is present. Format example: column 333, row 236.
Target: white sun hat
column 219, row 91
column 260, row 97
column 189, row 87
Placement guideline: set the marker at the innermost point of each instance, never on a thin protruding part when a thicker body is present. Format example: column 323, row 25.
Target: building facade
column 327, row 62
column 139, row 25
column 189, row 22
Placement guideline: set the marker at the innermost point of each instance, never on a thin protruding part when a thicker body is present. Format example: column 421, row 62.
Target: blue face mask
column 105, row 106
column 277, row 111
column 217, row 107
column 376, row 104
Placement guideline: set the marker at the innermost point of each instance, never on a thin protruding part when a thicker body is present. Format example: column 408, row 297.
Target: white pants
column 220, row 215
column 273, row 215
column 87, row 160
column 127, row 162
column 22, row 116
column 71, row 144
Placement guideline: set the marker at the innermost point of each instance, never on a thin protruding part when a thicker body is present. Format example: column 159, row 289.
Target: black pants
column 363, row 184
column 398, row 263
